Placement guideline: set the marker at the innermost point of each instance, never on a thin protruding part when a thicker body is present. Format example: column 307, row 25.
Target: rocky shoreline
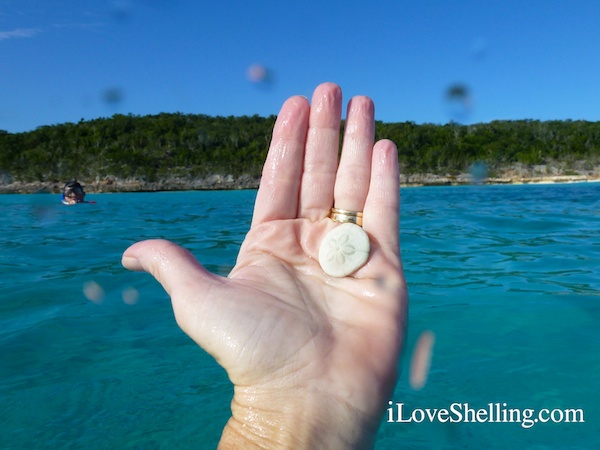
column 229, row 182
column 114, row 184
column 440, row 180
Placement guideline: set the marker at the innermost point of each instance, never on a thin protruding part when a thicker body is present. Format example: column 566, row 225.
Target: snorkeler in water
column 73, row 193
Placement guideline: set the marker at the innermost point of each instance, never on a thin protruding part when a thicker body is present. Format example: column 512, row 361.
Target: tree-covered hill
column 145, row 148
column 452, row 148
column 186, row 146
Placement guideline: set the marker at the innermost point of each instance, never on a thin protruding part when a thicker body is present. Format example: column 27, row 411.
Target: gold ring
column 346, row 216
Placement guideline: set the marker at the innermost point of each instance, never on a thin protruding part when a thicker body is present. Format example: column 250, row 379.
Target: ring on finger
column 346, row 216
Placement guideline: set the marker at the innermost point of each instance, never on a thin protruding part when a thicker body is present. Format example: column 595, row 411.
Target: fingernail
column 131, row 263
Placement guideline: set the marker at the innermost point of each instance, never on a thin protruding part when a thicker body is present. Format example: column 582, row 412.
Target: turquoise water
column 506, row 277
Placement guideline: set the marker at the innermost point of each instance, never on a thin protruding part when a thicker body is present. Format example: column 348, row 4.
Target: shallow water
column 506, row 277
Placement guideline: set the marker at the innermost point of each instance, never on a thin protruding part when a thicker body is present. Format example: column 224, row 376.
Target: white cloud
column 19, row 33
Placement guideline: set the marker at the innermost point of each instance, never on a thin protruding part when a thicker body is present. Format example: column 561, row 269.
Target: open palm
column 312, row 358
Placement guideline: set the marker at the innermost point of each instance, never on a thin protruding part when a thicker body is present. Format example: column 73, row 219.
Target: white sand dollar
column 344, row 250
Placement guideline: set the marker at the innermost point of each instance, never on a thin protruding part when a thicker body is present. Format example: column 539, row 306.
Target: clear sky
column 422, row 60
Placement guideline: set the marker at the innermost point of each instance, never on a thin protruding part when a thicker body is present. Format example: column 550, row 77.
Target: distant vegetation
column 187, row 146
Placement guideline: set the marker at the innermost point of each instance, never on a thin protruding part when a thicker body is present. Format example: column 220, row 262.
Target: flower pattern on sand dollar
column 340, row 249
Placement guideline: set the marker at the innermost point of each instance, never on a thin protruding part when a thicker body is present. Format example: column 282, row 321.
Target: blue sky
column 66, row 60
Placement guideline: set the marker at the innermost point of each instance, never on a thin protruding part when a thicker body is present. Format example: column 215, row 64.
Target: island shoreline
column 228, row 182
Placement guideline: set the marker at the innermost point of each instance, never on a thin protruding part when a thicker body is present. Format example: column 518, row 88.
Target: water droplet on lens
column 6, row 177
column 260, row 75
column 458, row 101
column 421, row 360
column 121, row 10
column 112, row 96
column 130, row 296
column 93, row 292
column 479, row 49
column 478, row 172
column 257, row 73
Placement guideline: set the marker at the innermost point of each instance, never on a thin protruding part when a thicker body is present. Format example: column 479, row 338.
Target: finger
column 354, row 172
column 381, row 212
column 321, row 158
column 190, row 286
column 171, row 265
column 277, row 196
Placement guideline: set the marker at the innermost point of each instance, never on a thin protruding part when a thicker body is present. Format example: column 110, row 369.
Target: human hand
column 312, row 358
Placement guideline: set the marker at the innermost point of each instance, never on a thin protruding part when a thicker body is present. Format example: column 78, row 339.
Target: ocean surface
column 507, row 278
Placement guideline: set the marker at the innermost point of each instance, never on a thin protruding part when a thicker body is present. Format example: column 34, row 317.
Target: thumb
column 179, row 273
column 170, row 264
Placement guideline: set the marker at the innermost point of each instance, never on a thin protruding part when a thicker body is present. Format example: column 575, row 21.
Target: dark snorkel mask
column 75, row 188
